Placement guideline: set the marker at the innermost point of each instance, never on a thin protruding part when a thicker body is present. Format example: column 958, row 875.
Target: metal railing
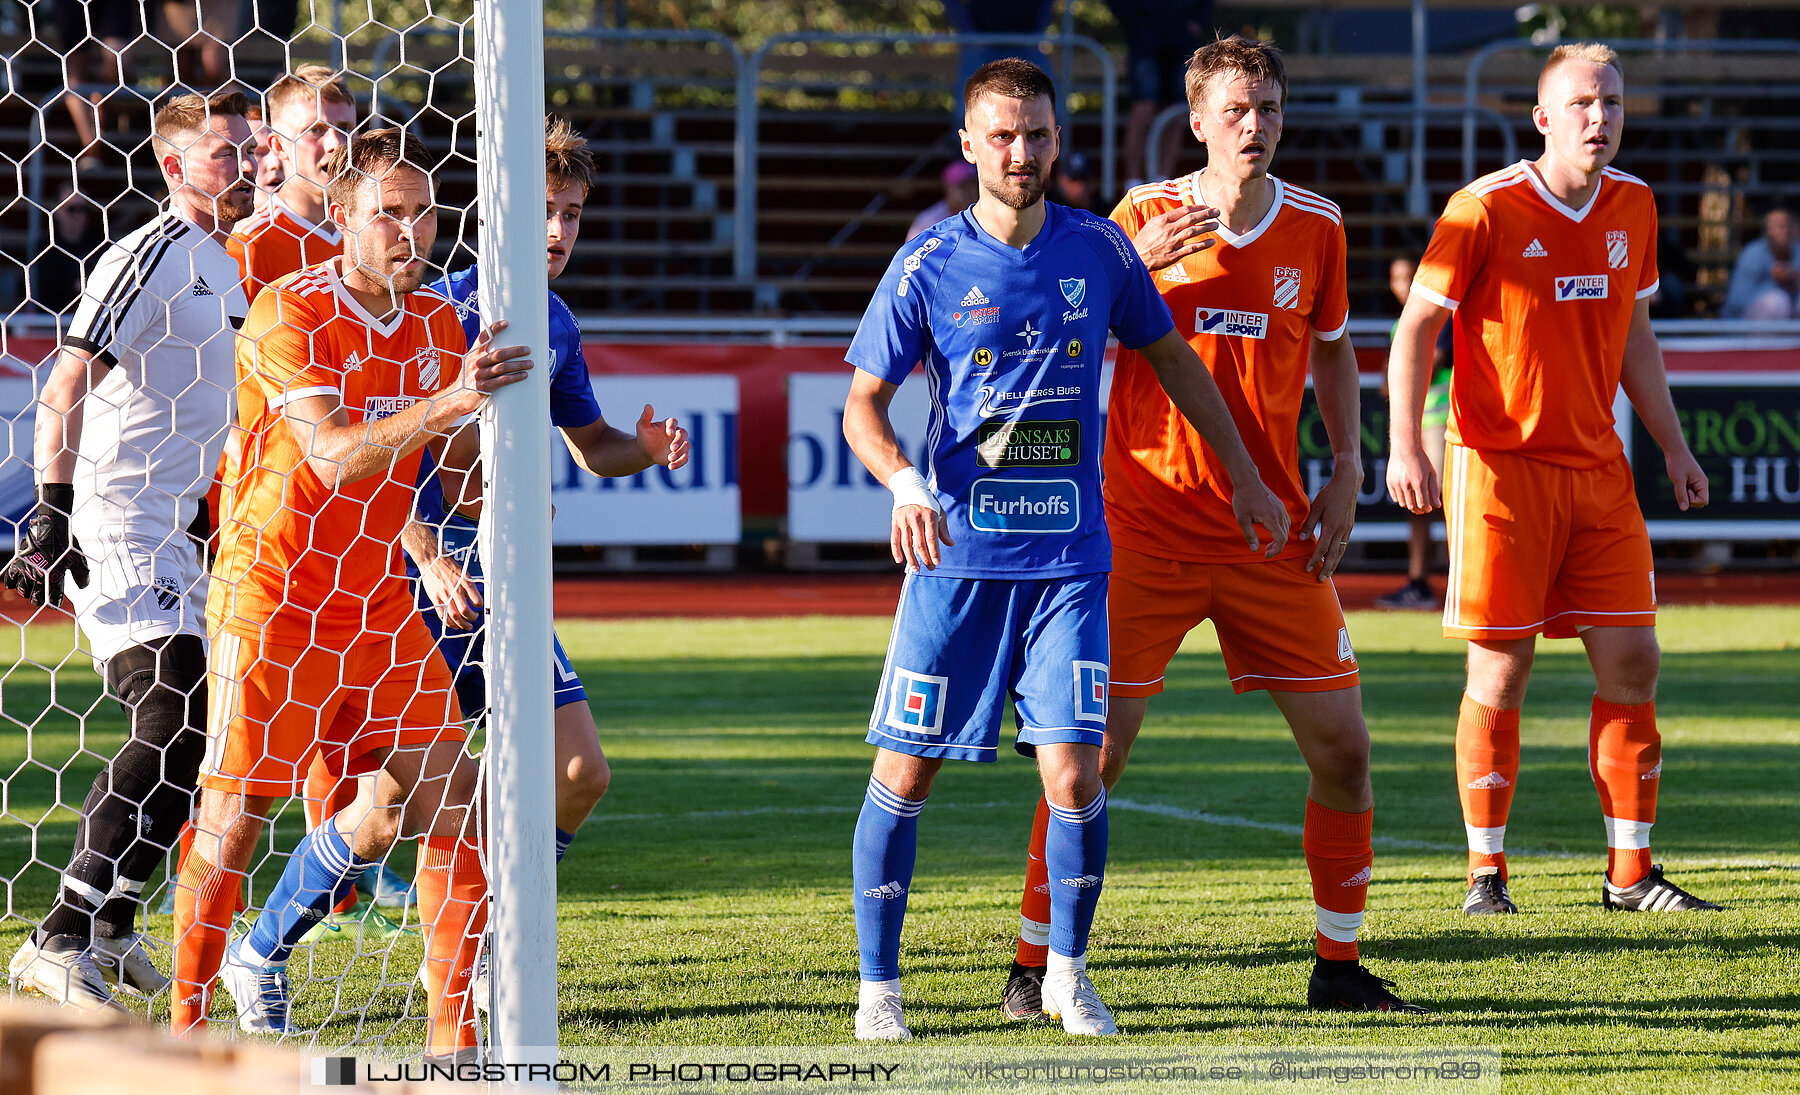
column 745, row 263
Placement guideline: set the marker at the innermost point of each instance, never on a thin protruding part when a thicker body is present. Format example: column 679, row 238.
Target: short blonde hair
column 1594, row 53
column 185, row 117
column 308, row 83
column 1254, row 58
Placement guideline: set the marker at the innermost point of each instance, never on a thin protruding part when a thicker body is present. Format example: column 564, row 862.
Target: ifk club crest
column 1618, row 249
column 1287, row 287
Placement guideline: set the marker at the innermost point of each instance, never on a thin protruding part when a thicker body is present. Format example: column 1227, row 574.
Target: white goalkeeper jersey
column 161, row 309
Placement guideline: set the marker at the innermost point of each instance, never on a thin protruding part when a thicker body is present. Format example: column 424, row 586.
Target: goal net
column 178, row 401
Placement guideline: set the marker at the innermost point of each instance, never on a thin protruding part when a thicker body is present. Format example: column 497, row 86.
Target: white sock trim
column 246, row 955
column 1063, row 963
column 1622, row 833
column 1339, row 927
column 868, row 992
column 1034, row 932
column 1486, row 841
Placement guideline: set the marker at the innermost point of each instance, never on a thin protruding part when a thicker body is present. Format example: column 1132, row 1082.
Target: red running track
column 724, row 595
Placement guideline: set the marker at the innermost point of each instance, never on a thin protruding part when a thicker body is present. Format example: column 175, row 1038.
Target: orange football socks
column 1034, row 907
column 1487, row 767
column 453, row 906
column 1625, row 759
column 1339, row 855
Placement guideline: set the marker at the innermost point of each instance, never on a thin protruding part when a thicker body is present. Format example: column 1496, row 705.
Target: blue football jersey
column 1012, row 342
column 572, row 401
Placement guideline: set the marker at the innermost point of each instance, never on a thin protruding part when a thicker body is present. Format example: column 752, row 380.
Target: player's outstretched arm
column 609, row 452
column 340, row 451
column 1190, row 387
column 918, row 518
column 1412, row 482
column 1333, row 512
column 1646, row 384
column 1167, row 238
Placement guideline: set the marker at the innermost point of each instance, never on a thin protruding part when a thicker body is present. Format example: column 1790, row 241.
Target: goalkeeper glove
column 46, row 550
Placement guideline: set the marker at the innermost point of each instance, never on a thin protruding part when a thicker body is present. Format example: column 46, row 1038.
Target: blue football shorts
column 466, row 651
column 962, row 647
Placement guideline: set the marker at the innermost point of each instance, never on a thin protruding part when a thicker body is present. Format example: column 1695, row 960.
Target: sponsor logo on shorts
column 1493, row 781
column 1025, row 505
column 1345, row 653
column 1360, row 878
column 976, row 317
column 1085, row 882
column 1090, row 691
column 1287, row 287
column 1618, row 249
column 168, row 593
column 1048, row 444
column 382, row 406
column 886, row 892
column 1224, row 321
column 916, row 702
column 1581, row 287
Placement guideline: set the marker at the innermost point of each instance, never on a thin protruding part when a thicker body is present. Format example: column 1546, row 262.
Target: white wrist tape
column 909, row 488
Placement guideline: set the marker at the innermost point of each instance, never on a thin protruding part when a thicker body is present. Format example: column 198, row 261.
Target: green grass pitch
column 707, row 902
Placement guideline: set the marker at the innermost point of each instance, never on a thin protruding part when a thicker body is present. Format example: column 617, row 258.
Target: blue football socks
column 1075, row 854
column 321, row 867
column 887, row 844
column 563, row 840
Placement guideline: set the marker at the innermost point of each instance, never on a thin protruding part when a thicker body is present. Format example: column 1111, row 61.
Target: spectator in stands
column 75, row 234
column 1160, row 36
column 87, row 30
column 1417, row 593
column 959, row 193
column 1765, row 283
column 203, row 31
column 1076, row 186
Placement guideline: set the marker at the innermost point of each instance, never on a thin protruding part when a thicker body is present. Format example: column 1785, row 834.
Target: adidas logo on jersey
column 353, row 364
column 1654, row 773
column 1360, row 878
column 887, row 892
column 975, row 298
column 1175, row 275
column 1086, row 881
column 1534, row 251
column 201, row 289
column 1493, row 781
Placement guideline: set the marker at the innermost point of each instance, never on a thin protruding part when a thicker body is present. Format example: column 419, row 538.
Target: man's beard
column 233, row 206
column 1022, row 195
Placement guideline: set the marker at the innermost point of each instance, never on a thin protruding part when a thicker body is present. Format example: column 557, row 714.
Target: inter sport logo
column 1224, row 321
column 1581, row 287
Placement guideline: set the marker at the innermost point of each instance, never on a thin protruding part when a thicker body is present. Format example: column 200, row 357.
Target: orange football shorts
column 1537, row 547
column 1280, row 628
column 273, row 706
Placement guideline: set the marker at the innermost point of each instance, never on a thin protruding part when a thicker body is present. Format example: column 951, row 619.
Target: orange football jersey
column 1543, row 297
column 276, row 241
column 301, row 562
column 1250, row 307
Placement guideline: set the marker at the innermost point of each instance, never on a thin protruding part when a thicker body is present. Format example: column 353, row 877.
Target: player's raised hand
column 1169, row 237
column 664, row 442
column 1411, row 480
column 46, row 551
column 1254, row 504
column 455, row 595
column 1329, row 520
column 1690, row 483
column 487, row 368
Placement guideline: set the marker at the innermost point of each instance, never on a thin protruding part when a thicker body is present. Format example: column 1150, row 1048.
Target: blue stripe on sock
column 563, row 839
